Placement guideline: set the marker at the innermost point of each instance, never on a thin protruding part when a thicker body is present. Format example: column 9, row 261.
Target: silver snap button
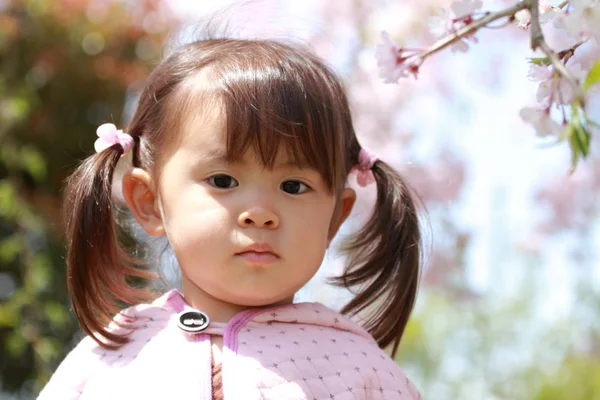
column 192, row 321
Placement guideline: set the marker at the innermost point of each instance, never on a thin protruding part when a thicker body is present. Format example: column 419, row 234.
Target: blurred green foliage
column 578, row 378
column 65, row 68
column 478, row 348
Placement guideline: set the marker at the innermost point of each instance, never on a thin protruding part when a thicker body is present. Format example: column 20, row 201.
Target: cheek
column 312, row 226
column 194, row 220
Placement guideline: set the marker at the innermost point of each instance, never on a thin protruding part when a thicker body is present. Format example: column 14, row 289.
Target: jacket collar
column 307, row 313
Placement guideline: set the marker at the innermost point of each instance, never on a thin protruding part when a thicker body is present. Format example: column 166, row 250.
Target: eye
column 222, row 181
column 294, row 187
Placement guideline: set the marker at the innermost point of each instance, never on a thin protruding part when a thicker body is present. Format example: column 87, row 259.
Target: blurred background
column 509, row 305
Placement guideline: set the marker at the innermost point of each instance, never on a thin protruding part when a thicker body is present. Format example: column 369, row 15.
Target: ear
column 343, row 208
column 142, row 201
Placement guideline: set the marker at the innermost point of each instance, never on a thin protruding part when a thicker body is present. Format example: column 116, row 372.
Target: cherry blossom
column 543, row 124
column 523, row 18
column 542, row 74
column 587, row 54
column 442, row 25
column 552, row 87
column 583, row 20
column 547, row 13
column 447, row 22
column 568, row 53
column 393, row 62
column 566, row 90
column 464, row 8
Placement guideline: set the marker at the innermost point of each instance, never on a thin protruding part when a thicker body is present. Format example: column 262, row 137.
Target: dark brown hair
column 273, row 96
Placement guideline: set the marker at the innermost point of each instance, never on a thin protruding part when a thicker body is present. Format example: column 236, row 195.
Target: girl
column 241, row 151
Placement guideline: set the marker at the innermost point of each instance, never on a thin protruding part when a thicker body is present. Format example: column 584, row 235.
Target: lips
column 258, row 254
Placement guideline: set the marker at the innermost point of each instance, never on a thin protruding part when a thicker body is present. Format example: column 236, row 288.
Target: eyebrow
column 220, row 156
column 215, row 155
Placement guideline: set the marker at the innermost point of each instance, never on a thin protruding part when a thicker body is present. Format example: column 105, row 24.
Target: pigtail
column 98, row 266
column 384, row 259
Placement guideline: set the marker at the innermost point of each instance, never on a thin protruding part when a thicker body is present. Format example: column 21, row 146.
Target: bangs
column 275, row 100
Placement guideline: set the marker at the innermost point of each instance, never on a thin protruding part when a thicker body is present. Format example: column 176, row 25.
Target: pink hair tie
column 108, row 135
column 366, row 160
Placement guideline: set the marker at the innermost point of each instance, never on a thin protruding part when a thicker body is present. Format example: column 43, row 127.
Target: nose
column 258, row 217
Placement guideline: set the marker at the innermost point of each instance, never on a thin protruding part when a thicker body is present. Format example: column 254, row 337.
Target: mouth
column 258, row 254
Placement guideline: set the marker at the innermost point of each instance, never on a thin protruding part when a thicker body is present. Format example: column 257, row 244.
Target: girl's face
column 244, row 235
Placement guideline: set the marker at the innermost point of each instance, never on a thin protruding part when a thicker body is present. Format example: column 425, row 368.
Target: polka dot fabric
column 307, row 351
column 297, row 351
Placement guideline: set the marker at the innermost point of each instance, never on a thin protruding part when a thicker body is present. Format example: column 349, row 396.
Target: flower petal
column 108, row 132
column 538, row 73
column 101, row 145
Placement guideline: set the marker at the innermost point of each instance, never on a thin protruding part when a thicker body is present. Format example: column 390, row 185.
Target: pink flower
column 583, row 20
column 567, row 91
column 552, row 88
column 440, row 25
column 541, row 121
column 587, row 55
column 539, row 72
column 547, row 13
column 542, row 74
column 464, row 8
column 448, row 22
column 392, row 61
column 523, row 18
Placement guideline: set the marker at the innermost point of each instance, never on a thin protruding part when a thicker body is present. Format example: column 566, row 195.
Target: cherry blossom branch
column 396, row 62
column 538, row 41
column 473, row 27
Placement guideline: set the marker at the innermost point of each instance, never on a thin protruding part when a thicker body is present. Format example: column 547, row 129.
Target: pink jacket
column 296, row 351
